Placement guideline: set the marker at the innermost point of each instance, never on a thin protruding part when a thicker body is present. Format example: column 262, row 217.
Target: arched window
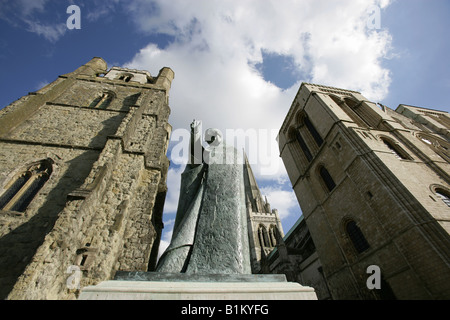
column 326, row 178
column 24, row 186
column 360, row 112
column 103, row 100
column 263, row 237
column 356, row 236
column 296, row 151
column 14, row 188
column 364, row 113
column 396, row 150
column 441, row 147
column 273, row 235
column 444, row 195
column 310, row 136
column 313, row 131
column 348, row 106
column 304, row 141
column 125, row 77
column 303, row 145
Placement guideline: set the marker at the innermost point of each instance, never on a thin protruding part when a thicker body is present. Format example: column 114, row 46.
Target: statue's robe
column 210, row 233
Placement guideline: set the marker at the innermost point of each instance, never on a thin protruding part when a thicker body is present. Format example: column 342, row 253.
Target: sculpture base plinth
column 160, row 286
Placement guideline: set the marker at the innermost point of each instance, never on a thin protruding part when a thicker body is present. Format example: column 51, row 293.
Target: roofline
column 315, row 85
column 416, row 107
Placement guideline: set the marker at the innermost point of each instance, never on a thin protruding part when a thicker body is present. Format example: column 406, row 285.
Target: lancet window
column 272, row 236
column 300, row 152
column 305, row 140
column 358, row 111
column 444, row 196
column 22, row 189
column 103, row 100
column 356, row 236
column 263, row 237
column 326, row 178
column 312, row 130
column 125, row 77
column 396, row 149
column 309, row 133
column 441, row 147
column 303, row 145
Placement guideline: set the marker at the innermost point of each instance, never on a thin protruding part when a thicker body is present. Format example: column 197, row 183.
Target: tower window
column 313, row 132
column 263, row 237
column 356, row 236
column 125, row 77
column 350, row 107
column 25, row 186
column 444, row 196
column 103, row 101
column 14, row 189
column 303, row 146
column 327, row 179
column 306, row 140
column 440, row 146
column 272, row 236
column 396, row 150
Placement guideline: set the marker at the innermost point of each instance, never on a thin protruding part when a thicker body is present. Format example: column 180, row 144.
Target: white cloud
column 30, row 6
column 30, row 14
column 51, row 32
column 99, row 9
column 173, row 180
column 330, row 37
column 217, row 45
column 170, row 207
column 166, row 236
column 282, row 200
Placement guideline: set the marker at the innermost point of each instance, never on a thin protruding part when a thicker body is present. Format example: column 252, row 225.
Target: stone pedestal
column 163, row 286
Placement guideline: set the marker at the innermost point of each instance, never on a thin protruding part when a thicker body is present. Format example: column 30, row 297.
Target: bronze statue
column 210, row 231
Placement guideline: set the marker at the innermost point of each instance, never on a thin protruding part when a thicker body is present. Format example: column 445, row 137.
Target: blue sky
column 238, row 64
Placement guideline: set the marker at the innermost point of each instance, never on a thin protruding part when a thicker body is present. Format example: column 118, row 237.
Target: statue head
column 213, row 137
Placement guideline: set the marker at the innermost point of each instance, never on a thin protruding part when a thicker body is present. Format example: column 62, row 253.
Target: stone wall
column 100, row 211
column 390, row 198
column 296, row 257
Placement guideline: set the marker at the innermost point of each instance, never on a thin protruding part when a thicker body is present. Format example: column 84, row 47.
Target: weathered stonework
column 374, row 188
column 296, row 257
column 101, row 208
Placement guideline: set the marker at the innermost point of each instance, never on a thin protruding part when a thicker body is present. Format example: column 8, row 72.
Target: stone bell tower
column 373, row 184
column 82, row 180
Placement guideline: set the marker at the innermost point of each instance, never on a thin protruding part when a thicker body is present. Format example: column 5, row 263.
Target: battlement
column 129, row 75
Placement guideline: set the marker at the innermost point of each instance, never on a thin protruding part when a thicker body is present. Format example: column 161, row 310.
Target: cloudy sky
column 238, row 63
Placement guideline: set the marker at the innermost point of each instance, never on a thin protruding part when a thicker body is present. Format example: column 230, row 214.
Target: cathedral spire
column 252, row 189
column 263, row 223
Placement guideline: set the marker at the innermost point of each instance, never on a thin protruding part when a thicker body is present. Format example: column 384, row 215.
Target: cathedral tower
column 82, row 180
column 264, row 224
column 374, row 188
